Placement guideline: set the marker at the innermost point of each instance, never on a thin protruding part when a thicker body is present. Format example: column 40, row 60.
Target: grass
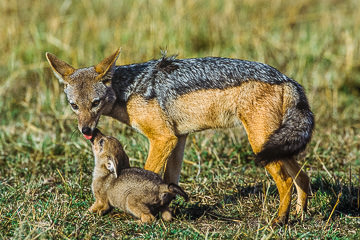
column 45, row 165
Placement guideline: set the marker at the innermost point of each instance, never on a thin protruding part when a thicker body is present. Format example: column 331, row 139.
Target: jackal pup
column 136, row 191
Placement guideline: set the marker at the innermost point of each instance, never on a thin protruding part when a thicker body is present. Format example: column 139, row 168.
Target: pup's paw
column 166, row 215
column 147, row 218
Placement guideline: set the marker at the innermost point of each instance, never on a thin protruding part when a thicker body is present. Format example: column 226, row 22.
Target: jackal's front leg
column 174, row 162
column 160, row 150
column 149, row 118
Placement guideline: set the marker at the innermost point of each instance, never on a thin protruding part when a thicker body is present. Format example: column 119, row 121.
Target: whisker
column 75, row 132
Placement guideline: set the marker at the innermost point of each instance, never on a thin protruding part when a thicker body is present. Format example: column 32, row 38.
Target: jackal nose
column 86, row 131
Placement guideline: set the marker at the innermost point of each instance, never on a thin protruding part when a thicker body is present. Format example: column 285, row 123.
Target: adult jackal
column 168, row 98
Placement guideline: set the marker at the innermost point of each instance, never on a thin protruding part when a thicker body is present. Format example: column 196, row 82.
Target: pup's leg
column 284, row 185
column 96, row 205
column 100, row 207
column 147, row 218
column 137, row 208
column 302, row 184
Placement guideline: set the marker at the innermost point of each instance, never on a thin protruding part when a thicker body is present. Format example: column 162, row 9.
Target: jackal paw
column 279, row 221
column 300, row 215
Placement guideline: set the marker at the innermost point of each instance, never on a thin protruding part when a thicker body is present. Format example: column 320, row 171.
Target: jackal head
column 88, row 90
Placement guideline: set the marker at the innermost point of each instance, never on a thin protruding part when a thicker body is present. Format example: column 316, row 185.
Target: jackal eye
column 95, row 103
column 74, row 106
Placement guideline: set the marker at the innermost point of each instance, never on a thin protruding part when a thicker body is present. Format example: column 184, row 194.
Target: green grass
column 45, row 165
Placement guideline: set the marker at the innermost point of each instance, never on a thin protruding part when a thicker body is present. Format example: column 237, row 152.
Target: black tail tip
column 273, row 153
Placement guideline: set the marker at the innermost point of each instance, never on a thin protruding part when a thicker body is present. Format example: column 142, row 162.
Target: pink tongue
column 88, row 137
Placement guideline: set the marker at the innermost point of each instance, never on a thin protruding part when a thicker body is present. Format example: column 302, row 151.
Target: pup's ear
column 106, row 67
column 112, row 166
column 60, row 68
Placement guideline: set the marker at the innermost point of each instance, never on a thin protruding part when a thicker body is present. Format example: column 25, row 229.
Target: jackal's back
column 168, row 77
column 204, row 93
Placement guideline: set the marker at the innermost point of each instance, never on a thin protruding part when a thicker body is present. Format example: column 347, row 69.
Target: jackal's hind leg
column 284, row 185
column 302, row 184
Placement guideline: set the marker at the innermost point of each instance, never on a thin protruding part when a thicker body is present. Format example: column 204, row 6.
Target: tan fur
column 259, row 106
column 136, row 191
column 283, row 183
column 205, row 109
column 261, row 111
column 162, row 138
column 104, row 66
column 60, row 68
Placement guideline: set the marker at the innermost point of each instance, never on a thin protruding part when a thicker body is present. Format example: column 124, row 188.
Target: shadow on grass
column 222, row 209
column 324, row 199
column 344, row 199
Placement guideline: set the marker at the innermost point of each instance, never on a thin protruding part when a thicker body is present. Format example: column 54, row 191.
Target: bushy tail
column 294, row 133
column 173, row 188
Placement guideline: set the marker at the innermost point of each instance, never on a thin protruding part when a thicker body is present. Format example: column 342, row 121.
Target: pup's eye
column 95, row 103
column 74, row 106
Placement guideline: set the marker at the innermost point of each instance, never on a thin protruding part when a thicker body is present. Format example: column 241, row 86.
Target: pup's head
column 88, row 90
column 109, row 153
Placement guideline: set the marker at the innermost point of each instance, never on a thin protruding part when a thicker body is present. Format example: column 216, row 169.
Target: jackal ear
column 60, row 68
column 106, row 66
column 112, row 166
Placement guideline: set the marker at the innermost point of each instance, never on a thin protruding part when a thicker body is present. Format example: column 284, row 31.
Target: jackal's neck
column 126, row 78
column 119, row 112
